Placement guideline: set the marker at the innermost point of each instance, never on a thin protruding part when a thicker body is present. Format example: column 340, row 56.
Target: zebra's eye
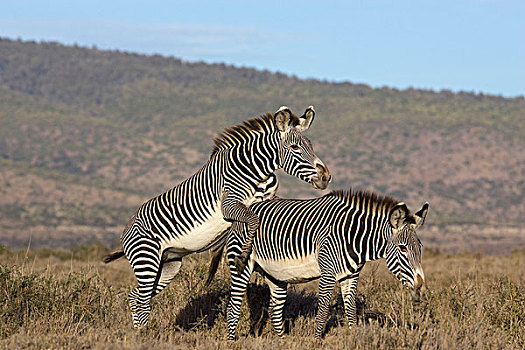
column 295, row 147
column 403, row 248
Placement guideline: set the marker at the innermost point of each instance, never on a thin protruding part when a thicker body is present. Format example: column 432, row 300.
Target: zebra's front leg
column 326, row 287
column 234, row 209
column 242, row 259
column 278, row 291
column 349, row 291
column 239, row 283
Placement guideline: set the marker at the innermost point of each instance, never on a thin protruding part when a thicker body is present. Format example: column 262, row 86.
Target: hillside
column 88, row 135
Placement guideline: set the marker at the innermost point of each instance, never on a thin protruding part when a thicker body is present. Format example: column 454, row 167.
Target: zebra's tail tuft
column 214, row 265
column 113, row 256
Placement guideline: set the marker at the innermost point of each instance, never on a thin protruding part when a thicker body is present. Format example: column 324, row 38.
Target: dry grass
column 71, row 300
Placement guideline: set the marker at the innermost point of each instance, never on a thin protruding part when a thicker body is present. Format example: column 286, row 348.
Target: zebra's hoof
column 239, row 264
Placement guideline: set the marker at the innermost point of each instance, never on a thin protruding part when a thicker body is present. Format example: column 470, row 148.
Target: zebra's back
column 193, row 206
column 292, row 228
column 290, row 232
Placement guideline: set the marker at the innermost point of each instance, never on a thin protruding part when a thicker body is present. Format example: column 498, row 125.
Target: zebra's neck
column 254, row 145
column 366, row 228
column 367, row 237
column 257, row 154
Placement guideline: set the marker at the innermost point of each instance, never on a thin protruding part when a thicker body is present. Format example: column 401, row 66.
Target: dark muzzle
column 323, row 178
column 418, row 286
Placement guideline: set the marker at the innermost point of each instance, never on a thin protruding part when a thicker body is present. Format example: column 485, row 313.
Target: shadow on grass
column 303, row 304
column 202, row 311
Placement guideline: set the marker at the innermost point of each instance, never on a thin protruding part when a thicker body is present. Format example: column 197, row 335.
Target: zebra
column 194, row 215
column 328, row 238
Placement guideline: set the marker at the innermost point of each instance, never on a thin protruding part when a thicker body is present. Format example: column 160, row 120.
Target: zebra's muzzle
column 323, row 177
column 419, row 286
column 420, row 281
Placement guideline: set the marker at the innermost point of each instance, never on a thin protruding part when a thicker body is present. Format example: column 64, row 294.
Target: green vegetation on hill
column 119, row 128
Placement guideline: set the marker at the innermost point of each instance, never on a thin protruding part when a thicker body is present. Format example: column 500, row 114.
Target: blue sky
column 469, row 45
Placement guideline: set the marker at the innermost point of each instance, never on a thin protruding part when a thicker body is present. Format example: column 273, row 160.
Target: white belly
column 201, row 235
column 292, row 270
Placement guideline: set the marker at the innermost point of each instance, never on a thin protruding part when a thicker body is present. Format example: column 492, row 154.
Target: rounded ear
column 306, row 119
column 421, row 215
column 282, row 118
column 398, row 214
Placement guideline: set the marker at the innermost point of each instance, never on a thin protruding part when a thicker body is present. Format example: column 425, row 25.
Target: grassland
column 69, row 299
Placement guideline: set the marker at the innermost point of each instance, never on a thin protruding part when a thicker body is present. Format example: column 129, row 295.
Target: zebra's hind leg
column 144, row 257
column 348, row 290
column 277, row 301
column 139, row 310
column 169, row 269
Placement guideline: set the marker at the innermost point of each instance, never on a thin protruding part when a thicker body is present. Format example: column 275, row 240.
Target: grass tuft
column 472, row 301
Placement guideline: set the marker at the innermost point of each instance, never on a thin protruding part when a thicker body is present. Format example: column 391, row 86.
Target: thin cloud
column 177, row 39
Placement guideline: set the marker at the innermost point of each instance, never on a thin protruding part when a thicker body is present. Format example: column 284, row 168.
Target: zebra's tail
column 214, row 265
column 114, row 256
column 120, row 253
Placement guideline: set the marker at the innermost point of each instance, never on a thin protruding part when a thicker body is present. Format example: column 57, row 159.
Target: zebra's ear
column 306, row 119
column 421, row 215
column 398, row 214
column 282, row 118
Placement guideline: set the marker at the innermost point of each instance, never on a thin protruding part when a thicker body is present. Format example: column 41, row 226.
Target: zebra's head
column 297, row 157
column 403, row 252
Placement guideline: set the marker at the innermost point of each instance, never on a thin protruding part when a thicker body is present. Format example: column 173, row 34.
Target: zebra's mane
column 233, row 135
column 349, row 195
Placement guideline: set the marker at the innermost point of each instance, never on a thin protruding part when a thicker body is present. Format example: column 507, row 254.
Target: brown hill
column 88, row 135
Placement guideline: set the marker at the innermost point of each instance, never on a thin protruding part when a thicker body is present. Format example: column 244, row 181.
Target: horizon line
column 290, row 75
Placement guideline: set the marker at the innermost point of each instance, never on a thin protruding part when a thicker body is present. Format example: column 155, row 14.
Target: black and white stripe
column 330, row 238
column 193, row 216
